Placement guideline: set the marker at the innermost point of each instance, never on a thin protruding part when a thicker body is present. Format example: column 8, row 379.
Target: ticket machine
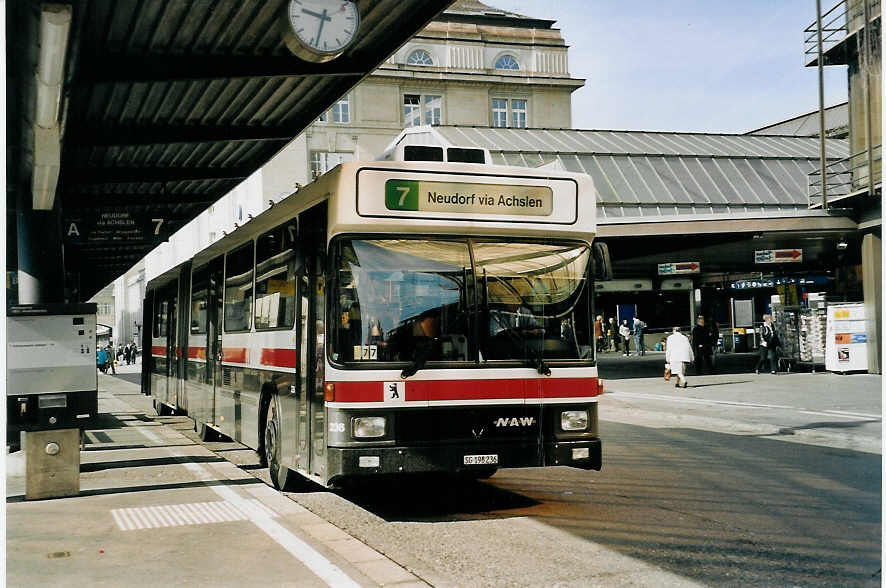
column 51, row 380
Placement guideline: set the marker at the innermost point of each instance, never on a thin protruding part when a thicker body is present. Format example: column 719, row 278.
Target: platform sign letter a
column 73, row 231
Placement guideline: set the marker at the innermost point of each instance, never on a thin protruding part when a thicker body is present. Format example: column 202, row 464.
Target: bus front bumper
column 366, row 461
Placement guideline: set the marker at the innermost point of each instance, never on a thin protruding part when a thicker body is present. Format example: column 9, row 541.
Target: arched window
column 419, row 57
column 507, row 62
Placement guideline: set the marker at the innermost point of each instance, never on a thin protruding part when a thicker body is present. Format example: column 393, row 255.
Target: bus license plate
column 481, row 459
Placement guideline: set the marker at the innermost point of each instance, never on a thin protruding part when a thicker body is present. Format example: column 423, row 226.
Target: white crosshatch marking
column 196, row 513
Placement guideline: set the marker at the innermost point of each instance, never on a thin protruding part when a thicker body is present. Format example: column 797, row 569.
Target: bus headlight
column 368, row 427
column 574, row 420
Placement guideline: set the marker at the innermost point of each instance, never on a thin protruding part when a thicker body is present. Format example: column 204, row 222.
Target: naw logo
column 515, row 422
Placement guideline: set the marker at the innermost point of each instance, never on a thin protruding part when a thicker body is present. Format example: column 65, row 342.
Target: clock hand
column 323, row 18
column 316, row 14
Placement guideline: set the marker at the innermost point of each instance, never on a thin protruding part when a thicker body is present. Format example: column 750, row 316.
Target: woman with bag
column 677, row 354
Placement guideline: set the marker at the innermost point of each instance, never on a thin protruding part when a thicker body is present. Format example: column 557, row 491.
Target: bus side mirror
column 602, row 263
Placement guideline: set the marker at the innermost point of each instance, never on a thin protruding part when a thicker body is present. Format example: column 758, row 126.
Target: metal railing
column 836, row 25
column 846, row 176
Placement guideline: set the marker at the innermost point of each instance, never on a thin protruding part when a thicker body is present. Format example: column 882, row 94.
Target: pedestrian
column 111, row 360
column 625, row 335
column 101, row 360
column 612, row 333
column 701, row 344
column 769, row 344
column 127, row 353
column 639, row 342
column 678, row 352
column 598, row 334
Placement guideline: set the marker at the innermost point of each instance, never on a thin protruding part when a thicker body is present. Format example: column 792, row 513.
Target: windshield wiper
column 422, row 354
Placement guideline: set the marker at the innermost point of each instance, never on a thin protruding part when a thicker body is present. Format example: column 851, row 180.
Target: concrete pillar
column 39, row 253
column 872, row 282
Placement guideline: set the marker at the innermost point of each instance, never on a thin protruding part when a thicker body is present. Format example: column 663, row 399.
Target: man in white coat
column 678, row 354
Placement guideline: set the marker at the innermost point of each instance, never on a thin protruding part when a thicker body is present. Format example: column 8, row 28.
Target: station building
column 685, row 215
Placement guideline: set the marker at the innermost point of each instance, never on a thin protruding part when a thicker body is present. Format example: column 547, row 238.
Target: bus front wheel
column 281, row 476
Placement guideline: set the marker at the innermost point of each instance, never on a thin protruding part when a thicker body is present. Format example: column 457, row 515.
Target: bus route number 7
column 401, row 195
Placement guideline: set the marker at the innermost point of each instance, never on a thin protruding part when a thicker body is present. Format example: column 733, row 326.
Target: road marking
column 261, row 517
column 831, row 413
column 178, row 515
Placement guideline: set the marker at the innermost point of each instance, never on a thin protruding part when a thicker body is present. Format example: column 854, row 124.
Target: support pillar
column 38, row 253
column 872, row 283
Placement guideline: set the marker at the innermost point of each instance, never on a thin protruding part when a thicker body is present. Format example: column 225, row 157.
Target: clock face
column 324, row 26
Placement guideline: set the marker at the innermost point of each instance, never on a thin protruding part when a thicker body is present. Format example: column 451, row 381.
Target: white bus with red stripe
column 391, row 318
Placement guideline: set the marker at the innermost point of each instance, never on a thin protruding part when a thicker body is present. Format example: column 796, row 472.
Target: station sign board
column 114, row 226
column 682, row 267
column 778, row 256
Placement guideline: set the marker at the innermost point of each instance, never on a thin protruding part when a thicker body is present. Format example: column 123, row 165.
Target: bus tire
column 161, row 409
column 206, row 433
column 281, row 476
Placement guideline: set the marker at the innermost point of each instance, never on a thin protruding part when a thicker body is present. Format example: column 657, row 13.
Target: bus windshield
column 460, row 301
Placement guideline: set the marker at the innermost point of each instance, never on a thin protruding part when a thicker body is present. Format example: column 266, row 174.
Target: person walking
column 769, row 344
column 678, row 352
column 624, row 332
column 598, row 334
column 101, row 360
column 701, row 345
column 111, row 360
column 612, row 334
column 639, row 342
column 127, row 353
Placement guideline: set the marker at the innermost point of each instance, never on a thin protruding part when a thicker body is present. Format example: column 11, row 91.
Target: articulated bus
column 392, row 318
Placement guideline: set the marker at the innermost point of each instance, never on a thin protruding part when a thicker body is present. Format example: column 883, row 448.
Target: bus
column 392, row 317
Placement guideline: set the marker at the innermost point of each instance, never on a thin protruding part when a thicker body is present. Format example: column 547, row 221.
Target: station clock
column 320, row 30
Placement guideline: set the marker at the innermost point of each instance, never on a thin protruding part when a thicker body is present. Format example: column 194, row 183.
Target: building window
column 507, row 62
column 518, row 114
column 510, row 112
column 323, row 161
column 422, row 109
column 339, row 113
column 419, row 57
column 499, row 112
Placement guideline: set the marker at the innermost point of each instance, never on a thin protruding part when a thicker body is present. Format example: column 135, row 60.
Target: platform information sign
column 114, row 226
column 682, row 267
column 778, row 256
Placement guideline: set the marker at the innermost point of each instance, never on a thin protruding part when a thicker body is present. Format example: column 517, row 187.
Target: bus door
column 183, row 295
column 172, row 350
column 214, row 335
column 305, row 350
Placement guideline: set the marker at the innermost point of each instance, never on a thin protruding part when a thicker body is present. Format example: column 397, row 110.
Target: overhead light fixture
column 55, row 25
column 842, row 245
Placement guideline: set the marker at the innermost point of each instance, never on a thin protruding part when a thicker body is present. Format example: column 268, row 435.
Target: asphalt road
column 738, row 480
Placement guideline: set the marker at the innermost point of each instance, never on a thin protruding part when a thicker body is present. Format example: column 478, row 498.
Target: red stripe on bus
column 279, row 357
column 234, row 354
column 161, row 351
column 431, row 390
column 196, row 353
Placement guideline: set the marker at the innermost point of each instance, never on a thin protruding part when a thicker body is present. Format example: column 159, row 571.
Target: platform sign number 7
column 401, row 195
column 157, row 222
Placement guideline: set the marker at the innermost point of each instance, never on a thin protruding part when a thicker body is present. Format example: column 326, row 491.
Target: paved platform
column 157, row 508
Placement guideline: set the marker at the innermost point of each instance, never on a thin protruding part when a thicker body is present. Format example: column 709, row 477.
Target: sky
column 720, row 66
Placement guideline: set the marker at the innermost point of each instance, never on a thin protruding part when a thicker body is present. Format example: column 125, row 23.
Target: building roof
column 476, row 11
column 653, row 175
column 836, row 124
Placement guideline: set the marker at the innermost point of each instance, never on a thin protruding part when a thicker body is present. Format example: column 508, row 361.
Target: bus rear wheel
column 281, row 476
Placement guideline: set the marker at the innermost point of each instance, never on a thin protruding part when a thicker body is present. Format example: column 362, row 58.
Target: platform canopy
column 166, row 105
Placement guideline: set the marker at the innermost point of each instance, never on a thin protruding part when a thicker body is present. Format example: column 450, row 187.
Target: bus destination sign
column 467, row 198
